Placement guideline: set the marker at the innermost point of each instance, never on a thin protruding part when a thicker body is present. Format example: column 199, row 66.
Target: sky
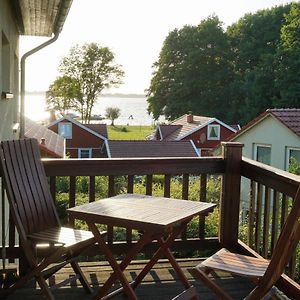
column 134, row 30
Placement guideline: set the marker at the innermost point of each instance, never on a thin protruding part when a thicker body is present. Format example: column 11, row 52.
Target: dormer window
column 213, row 132
column 65, row 130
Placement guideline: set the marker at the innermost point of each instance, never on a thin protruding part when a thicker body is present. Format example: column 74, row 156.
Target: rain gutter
column 58, row 25
column 23, row 60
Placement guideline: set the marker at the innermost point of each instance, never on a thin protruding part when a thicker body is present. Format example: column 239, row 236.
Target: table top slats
column 140, row 211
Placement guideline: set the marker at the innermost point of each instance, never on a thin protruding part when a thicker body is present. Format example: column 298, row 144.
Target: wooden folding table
column 159, row 218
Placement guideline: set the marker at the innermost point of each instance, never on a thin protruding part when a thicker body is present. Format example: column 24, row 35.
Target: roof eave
column 62, row 14
column 17, row 10
column 56, row 27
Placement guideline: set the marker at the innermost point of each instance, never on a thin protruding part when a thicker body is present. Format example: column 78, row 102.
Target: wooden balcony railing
column 186, row 170
column 270, row 196
column 269, row 193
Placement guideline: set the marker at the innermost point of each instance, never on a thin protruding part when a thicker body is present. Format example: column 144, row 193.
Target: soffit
column 41, row 17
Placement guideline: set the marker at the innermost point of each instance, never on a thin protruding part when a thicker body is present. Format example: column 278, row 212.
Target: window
column 84, row 153
column 262, row 153
column 213, row 132
column 65, row 130
column 292, row 152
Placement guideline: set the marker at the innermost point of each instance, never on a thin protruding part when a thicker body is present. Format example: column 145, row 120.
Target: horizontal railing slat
column 146, row 166
column 271, row 177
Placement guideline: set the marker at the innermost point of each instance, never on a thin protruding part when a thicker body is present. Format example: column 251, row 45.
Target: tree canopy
column 112, row 113
column 88, row 70
column 62, row 94
column 233, row 74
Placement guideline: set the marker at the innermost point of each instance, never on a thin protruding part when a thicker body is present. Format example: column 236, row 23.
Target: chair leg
column 44, row 288
column 259, row 291
column 210, row 284
column 23, row 280
column 82, row 277
column 188, row 294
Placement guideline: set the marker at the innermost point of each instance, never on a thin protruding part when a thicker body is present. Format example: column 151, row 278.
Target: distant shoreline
column 111, row 95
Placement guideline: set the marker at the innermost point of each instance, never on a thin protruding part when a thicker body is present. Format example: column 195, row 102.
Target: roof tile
column 54, row 143
column 120, row 149
column 290, row 117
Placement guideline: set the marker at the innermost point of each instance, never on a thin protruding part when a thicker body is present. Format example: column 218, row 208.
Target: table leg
column 118, row 269
column 157, row 255
column 165, row 248
column 175, row 265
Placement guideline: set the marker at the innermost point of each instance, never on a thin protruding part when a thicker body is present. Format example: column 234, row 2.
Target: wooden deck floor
column 160, row 284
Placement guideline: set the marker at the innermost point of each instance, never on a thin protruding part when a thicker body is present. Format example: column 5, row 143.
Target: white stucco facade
column 267, row 132
column 272, row 132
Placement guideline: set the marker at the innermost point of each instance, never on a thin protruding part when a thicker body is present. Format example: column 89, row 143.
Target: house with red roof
column 82, row 140
column 149, row 148
column 51, row 144
column 205, row 132
column 272, row 138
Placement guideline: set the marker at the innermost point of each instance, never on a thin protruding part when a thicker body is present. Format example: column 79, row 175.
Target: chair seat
column 237, row 264
column 62, row 235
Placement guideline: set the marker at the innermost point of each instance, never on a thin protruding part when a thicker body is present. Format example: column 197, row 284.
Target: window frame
column 288, row 156
column 62, row 124
column 256, row 145
column 84, row 149
column 218, row 132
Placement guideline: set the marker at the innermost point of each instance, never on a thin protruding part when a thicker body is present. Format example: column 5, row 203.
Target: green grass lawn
column 123, row 132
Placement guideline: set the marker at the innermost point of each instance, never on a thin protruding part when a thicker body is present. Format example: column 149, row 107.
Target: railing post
column 230, row 195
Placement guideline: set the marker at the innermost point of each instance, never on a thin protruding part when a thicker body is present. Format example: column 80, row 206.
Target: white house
column 272, row 138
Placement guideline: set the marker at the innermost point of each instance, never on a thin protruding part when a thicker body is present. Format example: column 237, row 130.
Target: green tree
column 112, row 113
column 254, row 43
column 92, row 69
column 288, row 63
column 62, row 94
column 294, row 166
column 192, row 73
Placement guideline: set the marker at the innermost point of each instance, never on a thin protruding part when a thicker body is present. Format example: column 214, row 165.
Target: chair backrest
column 27, row 189
column 284, row 249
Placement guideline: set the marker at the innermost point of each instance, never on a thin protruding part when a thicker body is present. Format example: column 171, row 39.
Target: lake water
column 133, row 111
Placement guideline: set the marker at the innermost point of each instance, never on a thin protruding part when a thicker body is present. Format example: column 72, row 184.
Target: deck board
column 160, row 284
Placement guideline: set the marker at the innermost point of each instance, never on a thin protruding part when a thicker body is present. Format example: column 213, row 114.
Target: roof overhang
column 41, row 18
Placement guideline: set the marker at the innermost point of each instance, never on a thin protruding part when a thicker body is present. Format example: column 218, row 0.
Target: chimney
column 43, row 141
column 190, row 118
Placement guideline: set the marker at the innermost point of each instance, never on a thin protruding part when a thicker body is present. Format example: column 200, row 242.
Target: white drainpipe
column 23, row 59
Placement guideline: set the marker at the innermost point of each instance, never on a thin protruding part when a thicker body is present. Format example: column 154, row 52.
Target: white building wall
column 9, row 70
column 9, row 82
column 271, row 132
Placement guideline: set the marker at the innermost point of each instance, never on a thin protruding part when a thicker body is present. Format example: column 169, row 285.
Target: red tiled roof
column 120, row 149
column 290, row 117
column 186, row 126
column 167, row 130
column 54, row 143
column 99, row 128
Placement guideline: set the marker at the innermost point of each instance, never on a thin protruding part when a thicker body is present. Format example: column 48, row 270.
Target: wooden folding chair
column 36, row 218
column 263, row 272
